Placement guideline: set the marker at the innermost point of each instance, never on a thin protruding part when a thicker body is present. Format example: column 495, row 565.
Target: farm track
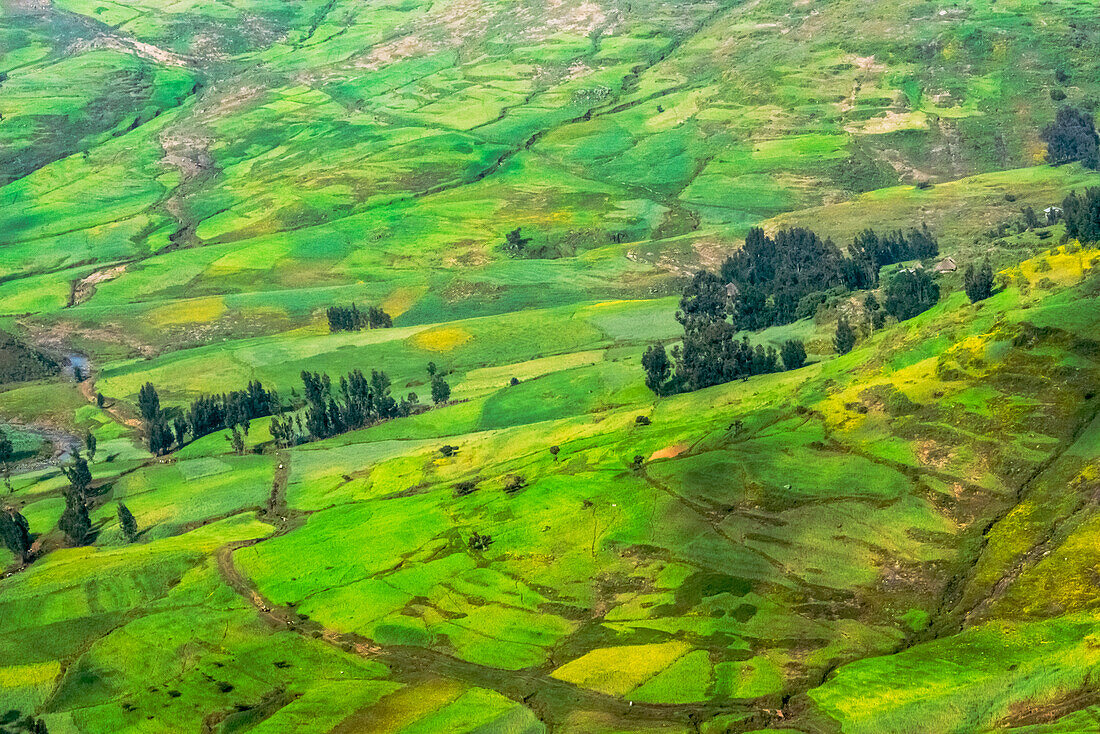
column 551, row 699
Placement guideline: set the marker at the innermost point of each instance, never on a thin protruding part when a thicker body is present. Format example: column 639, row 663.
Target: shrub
column 480, row 542
column 465, row 487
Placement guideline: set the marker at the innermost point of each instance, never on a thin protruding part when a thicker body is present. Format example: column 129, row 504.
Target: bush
column 513, row 483
column 465, row 487
column 448, row 450
column 480, row 542
column 641, row 420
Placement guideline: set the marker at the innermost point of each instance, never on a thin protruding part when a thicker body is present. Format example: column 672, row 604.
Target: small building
column 1053, row 214
column 947, row 265
column 732, row 291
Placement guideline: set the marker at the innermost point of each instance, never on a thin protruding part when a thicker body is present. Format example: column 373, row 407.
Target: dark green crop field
column 331, row 392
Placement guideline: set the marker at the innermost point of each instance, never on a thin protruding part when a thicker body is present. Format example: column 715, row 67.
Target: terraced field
column 896, row 539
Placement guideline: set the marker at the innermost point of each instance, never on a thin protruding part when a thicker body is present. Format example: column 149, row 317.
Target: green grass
column 897, row 539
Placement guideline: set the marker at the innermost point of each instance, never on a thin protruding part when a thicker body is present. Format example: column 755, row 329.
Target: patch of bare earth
column 669, row 452
column 85, row 287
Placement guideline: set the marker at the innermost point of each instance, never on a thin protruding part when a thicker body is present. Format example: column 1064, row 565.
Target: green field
column 897, row 539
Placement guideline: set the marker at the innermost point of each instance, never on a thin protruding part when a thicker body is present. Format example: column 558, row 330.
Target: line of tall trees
column 356, row 402
column 350, row 318
column 779, row 280
column 205, row 415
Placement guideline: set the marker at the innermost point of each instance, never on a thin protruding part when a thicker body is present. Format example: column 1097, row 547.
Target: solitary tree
column 432, row 369
column 127, row 523
column 441, row 391
column 794, row 354
column 15, row 534
column 90, row 445
column 978, row 281
column 845, row 337
column 657, row 367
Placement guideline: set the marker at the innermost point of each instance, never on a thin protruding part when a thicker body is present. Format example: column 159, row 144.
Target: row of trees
column 350, row 318
column 205, row 415
column 358, row 401
column 779, row 280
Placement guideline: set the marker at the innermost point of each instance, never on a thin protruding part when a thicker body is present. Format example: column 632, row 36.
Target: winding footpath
column 552, row 700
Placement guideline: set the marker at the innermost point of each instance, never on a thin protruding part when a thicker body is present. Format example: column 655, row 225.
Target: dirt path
column 551, row 699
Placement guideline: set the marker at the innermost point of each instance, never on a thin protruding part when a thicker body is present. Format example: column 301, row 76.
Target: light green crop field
column 900, row 539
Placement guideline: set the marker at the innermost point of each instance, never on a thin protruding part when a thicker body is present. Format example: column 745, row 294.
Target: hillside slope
column 895, row 539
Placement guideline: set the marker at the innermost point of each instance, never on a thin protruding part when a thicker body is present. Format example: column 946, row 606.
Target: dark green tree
column 845, row 337
column 14, row 721
column 658, row 368
column 909, row 293
column 978, row 282
column 236, row 440
column 179, row 428
column 90, row 445
column 127, row 523
column 7, row 453
column 160, row 436
column 1082, row 215
column 432, row 369
column 1072, row 137
column 74, row 521
column 15, row 534
column 149, row 402
column 441, row 391
column 79, row 476
column 876, row 316
column 793, row 352
column 1031, row 219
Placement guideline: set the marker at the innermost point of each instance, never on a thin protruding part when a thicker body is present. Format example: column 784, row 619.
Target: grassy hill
column 897, row 539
